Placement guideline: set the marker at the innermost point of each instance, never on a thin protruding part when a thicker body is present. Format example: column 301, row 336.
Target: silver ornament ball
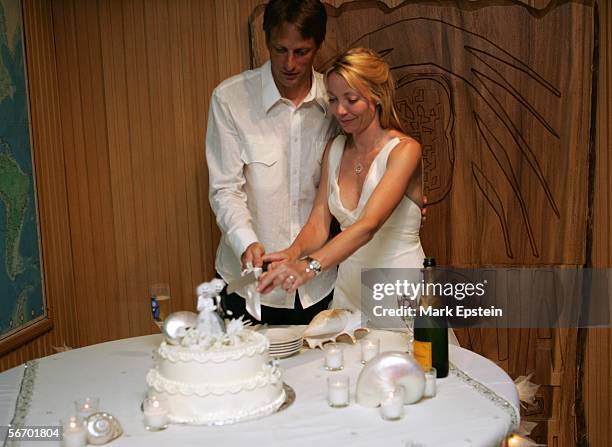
column 175, row 325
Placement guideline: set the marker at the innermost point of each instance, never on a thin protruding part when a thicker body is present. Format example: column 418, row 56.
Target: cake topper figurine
column 210, row 324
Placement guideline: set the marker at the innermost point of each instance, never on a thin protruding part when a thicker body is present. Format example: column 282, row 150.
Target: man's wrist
column 240, row 240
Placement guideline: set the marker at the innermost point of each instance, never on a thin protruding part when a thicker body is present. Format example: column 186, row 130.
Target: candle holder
column 86, row 407
column 430, row 383
column 338, row 391
column 155, row 413
column 74, row 433
column 392, row 405
column 370, row 348
column 334, row 358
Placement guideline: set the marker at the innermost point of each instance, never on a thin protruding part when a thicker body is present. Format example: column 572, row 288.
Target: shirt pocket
column 261, row 164
column 258, row 153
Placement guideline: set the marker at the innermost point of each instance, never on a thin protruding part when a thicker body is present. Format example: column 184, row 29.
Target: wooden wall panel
column 137, row 122
column 597, row 388
column 119, row 112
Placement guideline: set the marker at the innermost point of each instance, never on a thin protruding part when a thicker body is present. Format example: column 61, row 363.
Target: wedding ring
column 288, row 282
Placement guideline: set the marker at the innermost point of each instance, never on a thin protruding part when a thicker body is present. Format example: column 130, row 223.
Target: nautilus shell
column 176, row 323
column 384, row 373
column 102, row 428
column 334, row 325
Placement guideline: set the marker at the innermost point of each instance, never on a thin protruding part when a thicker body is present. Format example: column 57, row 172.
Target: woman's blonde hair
column 365, row 71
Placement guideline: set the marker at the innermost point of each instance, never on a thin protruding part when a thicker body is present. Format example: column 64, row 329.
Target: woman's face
column 354, row 112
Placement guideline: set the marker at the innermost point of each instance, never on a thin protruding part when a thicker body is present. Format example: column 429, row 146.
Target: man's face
column 291, row 57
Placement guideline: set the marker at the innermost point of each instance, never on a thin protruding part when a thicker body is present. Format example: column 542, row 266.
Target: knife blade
column 245, row 280
column 241, row 282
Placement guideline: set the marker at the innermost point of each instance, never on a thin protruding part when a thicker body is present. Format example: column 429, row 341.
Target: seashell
column 176, row 324
column 526, row 390
column 102, row 428
column 385, row 372
column 334, row 325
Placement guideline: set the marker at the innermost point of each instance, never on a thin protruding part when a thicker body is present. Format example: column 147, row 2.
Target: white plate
column 285, row 348
column 283, row 335
column 289, row 343
column 282, row 355
column 295, row 345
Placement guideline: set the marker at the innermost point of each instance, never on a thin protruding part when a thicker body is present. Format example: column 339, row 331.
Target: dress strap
column 335, row 155
column 383, row 156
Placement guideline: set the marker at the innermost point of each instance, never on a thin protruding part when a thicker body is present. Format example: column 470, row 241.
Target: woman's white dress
column 396, row 244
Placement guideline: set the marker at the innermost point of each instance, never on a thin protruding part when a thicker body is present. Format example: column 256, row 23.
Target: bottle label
column 422, row 353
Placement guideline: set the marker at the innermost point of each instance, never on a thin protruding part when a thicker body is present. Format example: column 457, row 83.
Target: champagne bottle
column 430, row 328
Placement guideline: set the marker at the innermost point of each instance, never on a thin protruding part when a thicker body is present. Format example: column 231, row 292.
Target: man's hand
column 253, row 254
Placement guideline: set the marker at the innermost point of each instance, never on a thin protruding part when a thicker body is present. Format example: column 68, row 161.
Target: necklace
column 359, row 165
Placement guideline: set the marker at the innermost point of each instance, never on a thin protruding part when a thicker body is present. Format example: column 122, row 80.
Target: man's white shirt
column 264, row 160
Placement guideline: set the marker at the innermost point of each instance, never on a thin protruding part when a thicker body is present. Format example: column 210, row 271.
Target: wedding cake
column 213, row 375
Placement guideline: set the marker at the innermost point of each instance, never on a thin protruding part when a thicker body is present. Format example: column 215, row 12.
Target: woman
column 370, row 182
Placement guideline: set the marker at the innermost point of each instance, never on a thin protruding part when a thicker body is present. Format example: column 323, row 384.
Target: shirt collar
column 271, row 95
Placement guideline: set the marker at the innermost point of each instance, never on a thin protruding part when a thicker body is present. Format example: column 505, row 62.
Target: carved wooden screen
column 499, row 95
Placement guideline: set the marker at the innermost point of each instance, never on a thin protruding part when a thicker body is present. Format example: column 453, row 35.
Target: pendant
column 358, row 168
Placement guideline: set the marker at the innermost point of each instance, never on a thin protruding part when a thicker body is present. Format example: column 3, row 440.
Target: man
column 266, row 135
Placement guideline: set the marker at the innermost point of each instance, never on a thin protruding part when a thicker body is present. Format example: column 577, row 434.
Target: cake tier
column 224, row 409
column 218, row 386
column 193, row 365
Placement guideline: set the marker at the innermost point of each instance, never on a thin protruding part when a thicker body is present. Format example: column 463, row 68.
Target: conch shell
column 384, row 373
column 334, row 325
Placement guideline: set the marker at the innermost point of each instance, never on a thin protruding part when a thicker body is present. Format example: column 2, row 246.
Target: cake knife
column 245, row 280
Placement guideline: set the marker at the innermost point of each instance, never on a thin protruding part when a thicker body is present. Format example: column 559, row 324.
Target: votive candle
column 86, row 407
column 370, row 348
column 392, row 405
column 338, row 391
column 155, row 414
column 334, row 358
column 74, row 434
column 430, row 383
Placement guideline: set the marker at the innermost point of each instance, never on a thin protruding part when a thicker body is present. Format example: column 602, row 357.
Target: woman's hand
column 288, row 275
column 280, row 257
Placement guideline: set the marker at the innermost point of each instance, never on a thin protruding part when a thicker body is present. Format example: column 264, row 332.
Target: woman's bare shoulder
column 405, row 140
column 406, row 145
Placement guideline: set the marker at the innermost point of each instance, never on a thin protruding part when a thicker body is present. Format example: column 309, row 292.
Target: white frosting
column 218, row 385
column 227, row 364
column 222, row 411
column 267, row 375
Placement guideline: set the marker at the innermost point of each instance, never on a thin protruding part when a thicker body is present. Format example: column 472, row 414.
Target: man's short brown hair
column 308, row 16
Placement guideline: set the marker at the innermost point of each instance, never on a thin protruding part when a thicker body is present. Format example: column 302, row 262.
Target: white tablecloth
column 459, row 416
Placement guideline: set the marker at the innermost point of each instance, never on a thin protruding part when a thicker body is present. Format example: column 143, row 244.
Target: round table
column 476, row 405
